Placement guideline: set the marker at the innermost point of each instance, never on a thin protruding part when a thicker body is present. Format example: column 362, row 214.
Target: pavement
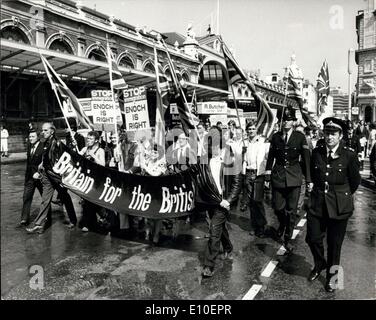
column 14, row 158
column 66, row 263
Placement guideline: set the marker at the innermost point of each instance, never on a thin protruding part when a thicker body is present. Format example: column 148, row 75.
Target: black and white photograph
column 188, row 154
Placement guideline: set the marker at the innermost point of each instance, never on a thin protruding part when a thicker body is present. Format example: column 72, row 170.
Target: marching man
column 335, row 175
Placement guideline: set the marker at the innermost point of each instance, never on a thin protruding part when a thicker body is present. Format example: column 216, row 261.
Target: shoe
column 329, row 288
column 23, row 223
column 207, row 272
column 229, row 256
column 289, row 247
column 35, row 229
column 84, row 229
column 315, row 273
column 71, row 225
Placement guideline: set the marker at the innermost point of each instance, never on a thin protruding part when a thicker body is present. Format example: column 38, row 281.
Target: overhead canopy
column 20, row 58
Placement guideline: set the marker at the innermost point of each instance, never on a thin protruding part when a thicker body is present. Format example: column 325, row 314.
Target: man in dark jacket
column 218, row 188
column 286, row 148
column 78, row 141
column 335, row 174
column 353, row 141
column 51, row 153
column 32, row 177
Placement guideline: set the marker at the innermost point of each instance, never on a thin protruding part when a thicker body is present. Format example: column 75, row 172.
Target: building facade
column 365, row 57
column 341, row 102
column 74, row 39
column 310, row 97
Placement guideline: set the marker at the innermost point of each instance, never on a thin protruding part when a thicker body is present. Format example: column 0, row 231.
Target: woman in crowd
column 94, row 153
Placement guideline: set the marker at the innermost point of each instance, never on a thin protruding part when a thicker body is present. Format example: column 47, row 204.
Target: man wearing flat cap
column 335, row 177
column 287, row 147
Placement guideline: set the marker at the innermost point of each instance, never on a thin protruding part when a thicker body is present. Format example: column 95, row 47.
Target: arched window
column 212, row 74
column 149, row 68
column 14, row 34
column 239, row 92
column 126, row 62
column 97, row 54
column 61, row 45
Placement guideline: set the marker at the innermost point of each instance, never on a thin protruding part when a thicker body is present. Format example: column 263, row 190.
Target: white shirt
column 257, row 154
column 288, row 135
column 334, row 150
column 215, row 168
column 33, row 148
column 4, row 134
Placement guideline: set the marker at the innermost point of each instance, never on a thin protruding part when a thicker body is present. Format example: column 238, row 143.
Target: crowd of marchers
column 311, row 169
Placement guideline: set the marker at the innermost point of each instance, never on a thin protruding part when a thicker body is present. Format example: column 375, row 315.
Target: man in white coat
column 254, row 168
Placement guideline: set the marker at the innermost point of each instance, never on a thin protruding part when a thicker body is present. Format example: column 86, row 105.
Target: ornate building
column 365, row 57
column 74, row 37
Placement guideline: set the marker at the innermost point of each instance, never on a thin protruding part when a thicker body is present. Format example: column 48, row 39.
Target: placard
column 136, row 109
column 103, row 109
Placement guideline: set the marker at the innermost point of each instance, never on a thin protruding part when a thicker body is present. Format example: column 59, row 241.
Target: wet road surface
column 79, row 265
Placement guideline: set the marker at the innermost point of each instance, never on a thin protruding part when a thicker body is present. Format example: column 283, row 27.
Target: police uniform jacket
column 354, row 143
column 334, row 182
column 287, row 170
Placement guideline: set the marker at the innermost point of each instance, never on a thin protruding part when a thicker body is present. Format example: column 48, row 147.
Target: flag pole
column 176, row 84
column 58, row 100
column 112, row 92
column 158, row 96
column 284, row 101
column 235, row 103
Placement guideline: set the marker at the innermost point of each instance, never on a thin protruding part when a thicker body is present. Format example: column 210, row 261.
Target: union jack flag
column 188, row 119
column 117, row 81
column 265, row 116
column 322, row 87
column 163, row 102
column 64, row 95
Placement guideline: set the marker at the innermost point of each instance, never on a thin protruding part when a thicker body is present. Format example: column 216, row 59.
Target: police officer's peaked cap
column 288, row 114
column 334, row 124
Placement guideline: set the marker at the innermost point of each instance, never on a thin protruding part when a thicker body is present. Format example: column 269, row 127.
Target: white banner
column 103, row 109
column 136, row 109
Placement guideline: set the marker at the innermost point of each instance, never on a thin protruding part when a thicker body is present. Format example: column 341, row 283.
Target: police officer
column 286, row 148
column 335, row 174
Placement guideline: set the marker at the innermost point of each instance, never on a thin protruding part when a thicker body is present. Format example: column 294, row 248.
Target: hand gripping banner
column 169, row 196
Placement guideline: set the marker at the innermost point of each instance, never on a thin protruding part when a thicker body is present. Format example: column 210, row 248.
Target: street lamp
column 349, row 71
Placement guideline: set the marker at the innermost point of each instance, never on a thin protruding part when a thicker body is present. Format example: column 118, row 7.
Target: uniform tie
column 330, row 158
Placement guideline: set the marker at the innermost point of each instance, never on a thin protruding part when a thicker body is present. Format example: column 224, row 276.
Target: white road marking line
column 269, row 269
column 251, row 294
column 295, row 233
column 302, row 223
column 281, row 251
